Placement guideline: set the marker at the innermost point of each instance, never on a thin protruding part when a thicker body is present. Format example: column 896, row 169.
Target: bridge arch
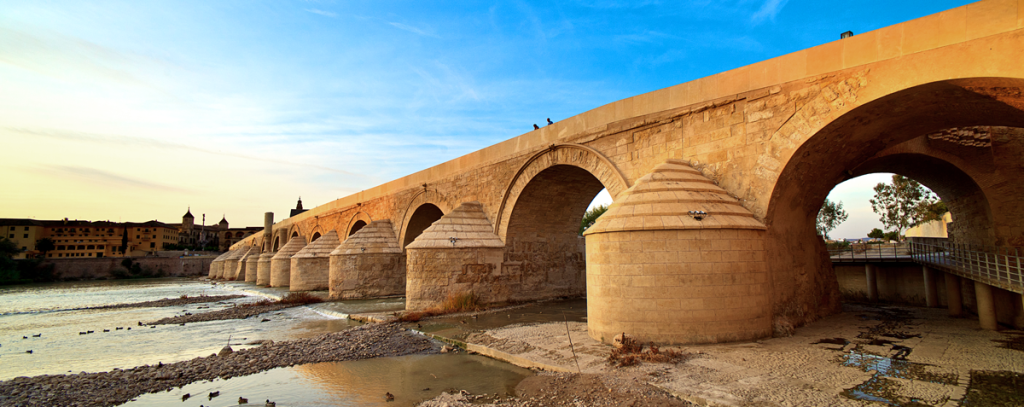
column 579, row 156
column 358, row 220
column 857, row 142
column 426, row 207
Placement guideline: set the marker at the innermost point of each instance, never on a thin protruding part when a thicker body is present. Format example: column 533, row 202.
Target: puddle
column 991, row 388
column 410, row 379
column 885, row 366
column 880, row 390
column 459, row 328
column 893, row 365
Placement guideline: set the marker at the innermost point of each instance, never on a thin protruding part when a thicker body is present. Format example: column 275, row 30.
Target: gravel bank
column 167, row 302
column 569, row 389
column 119, row 386
column 239, row 312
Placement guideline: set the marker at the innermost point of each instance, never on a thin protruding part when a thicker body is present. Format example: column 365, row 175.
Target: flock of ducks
column 241, row 400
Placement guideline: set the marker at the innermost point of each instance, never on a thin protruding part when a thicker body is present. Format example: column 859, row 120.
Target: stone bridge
column 716, row 184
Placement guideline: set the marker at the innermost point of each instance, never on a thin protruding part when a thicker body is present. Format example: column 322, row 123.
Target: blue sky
column 135, row 110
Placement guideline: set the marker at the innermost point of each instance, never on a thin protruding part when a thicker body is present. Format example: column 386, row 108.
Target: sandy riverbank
column 119, row 386
column 896, row 355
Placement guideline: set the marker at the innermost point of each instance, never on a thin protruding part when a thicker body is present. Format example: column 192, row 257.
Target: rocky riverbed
column 119, row 386
column 167, row 302
column 238, row 312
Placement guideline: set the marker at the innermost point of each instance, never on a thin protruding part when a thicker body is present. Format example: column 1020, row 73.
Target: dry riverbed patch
column 865, row 355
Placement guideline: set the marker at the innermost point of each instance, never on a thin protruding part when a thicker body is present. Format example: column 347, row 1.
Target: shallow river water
column 59, row 315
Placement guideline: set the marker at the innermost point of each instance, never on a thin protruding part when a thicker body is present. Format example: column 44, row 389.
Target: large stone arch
column 423, row 197
column 356, row 218
column 817, row 158
column 575, row 155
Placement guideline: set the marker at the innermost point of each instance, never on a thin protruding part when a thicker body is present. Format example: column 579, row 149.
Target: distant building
column 935, row 228
column 220, row 235
column 80, row 238
column 298, row 209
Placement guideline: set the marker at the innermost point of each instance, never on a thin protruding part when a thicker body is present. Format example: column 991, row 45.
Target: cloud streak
column 321, row 12
column 100, row 177
column 768, row 11
column 151, row 143
column 414, row 30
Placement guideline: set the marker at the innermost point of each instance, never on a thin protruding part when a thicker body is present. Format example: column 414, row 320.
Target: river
column 50, row 319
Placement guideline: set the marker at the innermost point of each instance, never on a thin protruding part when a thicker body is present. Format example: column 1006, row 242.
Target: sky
column 135, row 111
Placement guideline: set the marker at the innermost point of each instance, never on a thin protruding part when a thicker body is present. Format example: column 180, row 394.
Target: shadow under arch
column 414, row 221
column 579, row 156
column 356, row 222
column 544, row 252
column 804, row 287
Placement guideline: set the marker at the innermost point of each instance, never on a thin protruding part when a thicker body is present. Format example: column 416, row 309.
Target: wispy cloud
column 118, row 140
column 106, row 179
column 413, row 30
column 322, row 12
column 768, row 11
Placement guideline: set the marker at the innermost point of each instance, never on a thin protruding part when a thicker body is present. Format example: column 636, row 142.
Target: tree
column 898, row 203
column 8, row 248
column 8, row 268
column 829, row 217
column 591, row 216
column 928, row 211
column 876, row 233
column 45, row 245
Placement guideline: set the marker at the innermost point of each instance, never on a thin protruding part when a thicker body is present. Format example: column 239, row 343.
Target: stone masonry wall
column 309, row 273
column 356, row 276
column 433, row 274
column 688, row 286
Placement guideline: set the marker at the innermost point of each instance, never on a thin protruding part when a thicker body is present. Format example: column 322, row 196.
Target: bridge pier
column 986, row 306
column 931, row 290
column 953, row 295
column 871, row 271
column 458, row 255
column 281, row 263
column 310, row 267
column 675, row 259
column 369, row 264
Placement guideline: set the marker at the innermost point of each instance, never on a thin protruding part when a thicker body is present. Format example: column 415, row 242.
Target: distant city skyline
column 134, row 111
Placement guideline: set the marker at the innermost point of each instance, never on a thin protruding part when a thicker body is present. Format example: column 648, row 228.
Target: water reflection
column 410, row 379
column 574, row 310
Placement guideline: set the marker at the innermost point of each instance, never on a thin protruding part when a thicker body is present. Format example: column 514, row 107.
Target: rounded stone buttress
column 677, row 260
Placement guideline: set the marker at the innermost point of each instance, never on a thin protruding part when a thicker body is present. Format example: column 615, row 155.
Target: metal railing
column 997, row 266
column 868, row 252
